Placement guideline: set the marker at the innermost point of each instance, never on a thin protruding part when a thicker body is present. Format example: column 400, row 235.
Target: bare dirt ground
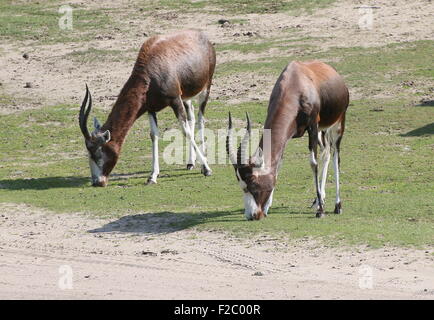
column 140, row 257
column 57, row 78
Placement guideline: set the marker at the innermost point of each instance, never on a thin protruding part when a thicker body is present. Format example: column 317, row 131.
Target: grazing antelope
column 308, row 96
column 169, row 71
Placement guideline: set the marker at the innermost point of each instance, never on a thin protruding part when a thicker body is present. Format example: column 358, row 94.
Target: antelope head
column 257, row 184
column 102, row 156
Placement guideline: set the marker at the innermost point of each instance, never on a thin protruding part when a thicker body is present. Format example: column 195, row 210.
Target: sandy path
column 130, row 258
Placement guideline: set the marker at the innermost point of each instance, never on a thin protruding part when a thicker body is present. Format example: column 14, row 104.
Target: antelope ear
column 107, row 136
column 102, row 137
column 96, row 124
column 258, row 158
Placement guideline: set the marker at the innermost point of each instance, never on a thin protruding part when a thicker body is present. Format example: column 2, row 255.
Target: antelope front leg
column 154, row 137
column 180, row 113
column 324, row 164
column 313, row 147
column 338, row 205
column 324, row 159
column 320, row 203
column 192, row 122
column 336, row 137
column 203, row 99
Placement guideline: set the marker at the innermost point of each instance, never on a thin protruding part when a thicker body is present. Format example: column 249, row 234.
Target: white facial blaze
column 95, row 171
column 268, row 203
column 250, row 206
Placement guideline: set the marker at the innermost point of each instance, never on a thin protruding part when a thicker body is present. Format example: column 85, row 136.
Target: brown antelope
column 308, row 96
column 169, row 71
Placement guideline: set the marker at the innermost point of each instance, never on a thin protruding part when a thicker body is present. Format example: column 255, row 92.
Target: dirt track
column 57, row 78
column 139, row 257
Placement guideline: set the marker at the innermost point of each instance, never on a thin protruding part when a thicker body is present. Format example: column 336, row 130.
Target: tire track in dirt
column 189, row 264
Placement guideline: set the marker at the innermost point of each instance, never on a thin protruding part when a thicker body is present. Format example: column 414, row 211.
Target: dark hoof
column 320, row 214
column 338, row 208
column 190, row 166
column 150, row 181
column 206, row 172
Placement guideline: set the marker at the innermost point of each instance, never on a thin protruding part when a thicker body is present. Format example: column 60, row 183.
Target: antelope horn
column 84, row 114
column 229, row 149
column 243, row 154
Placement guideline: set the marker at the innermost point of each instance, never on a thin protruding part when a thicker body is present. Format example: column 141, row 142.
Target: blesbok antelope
column 308, row 96
column 169, row 71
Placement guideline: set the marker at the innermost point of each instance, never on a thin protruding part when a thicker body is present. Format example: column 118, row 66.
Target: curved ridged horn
column 84, row 114
column 229, row 148
column 243, row 152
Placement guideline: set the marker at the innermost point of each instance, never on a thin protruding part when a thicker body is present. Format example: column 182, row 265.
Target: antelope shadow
column 422, row 131
column 46, row 183
column 145, row 174
column 165, row 222
column 291, row 211
column 426, row 103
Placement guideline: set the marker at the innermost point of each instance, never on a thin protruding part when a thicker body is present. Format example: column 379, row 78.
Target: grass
column 5, row 99
column 92, row 55
column 264, row 45
column 240, row 6
column 371, row 69
column 386, row 167
column 387, row 198
column 39, row 22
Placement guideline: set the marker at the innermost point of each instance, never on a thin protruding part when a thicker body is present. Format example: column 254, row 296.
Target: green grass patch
column 101, row 55
column 240, row 6
column 264, row 45
column 39, row 21
column 5, row 99
column 371, row 70
column 386, row 178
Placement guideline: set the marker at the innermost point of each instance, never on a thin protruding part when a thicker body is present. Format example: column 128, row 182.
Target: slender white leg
column 202, row 100
column 314, row 166
column 154, row 137
column 179, row 109
column 324, row 164
column 316, row 183
column 202, row 159
column 338, row 206
column 201, row 132
column 335, row 138
column 191, row 122
column 313, row 146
